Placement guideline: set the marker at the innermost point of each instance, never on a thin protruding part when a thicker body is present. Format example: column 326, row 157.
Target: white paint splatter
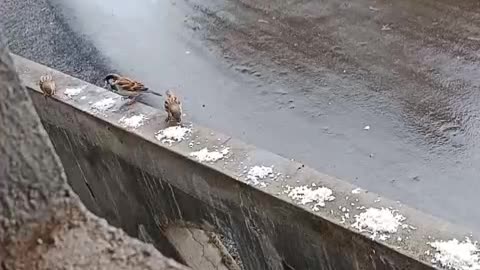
column 356, row 191
column 306, row 195
column 133, row 121
column 457, row 255
column 71, row 92
column 378, row 222
column 209, row 156
column 172, row 134
column 257, row 173
column 103, row 104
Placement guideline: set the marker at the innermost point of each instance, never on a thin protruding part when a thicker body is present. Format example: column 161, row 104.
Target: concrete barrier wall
column 132, row 179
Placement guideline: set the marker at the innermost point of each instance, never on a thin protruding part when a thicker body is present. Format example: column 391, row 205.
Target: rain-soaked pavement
column 302, row 78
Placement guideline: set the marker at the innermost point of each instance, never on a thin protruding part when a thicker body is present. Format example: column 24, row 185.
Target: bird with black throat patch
column 173, row 107
column 47, row 85
column 126, row 87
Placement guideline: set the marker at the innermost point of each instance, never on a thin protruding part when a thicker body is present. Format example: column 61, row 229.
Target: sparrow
column 173, row 107
column 126, row 87
column 47, row 85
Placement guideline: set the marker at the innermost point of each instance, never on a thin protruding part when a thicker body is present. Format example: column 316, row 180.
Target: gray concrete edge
column 412, row 241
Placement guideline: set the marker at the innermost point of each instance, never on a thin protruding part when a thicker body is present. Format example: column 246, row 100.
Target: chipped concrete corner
column 130, row 168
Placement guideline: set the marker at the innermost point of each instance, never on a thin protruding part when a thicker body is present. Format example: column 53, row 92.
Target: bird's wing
column 130, row 85
column 171, row 101
column 171, row 97
column 45, row 78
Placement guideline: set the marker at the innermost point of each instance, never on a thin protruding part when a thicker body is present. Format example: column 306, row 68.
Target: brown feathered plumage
column 173, row 107
column 125, row 86
column 47, row 85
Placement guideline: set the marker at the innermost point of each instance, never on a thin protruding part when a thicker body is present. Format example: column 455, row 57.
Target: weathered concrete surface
column 43, row 224
column 131, row 179
column 200, row 250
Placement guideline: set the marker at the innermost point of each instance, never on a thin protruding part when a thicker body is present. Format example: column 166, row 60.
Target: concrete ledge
column 132, row 179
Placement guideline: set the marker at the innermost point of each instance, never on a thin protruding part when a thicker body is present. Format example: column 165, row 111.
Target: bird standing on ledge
column 173, row 107
column 47, row 85
column 126, row 87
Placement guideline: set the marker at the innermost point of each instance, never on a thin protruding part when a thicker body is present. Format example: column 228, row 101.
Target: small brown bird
column 47, row 85
column 173, row 107
column 126, row 87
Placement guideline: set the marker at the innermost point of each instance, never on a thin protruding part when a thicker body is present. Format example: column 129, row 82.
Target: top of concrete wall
column 346, row 206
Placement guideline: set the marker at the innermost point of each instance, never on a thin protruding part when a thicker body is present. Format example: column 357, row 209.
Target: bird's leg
column 128, row 101
column 132, row 100
column 125, row 101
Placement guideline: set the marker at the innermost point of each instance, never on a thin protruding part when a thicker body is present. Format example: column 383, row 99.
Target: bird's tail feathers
column 152, row 92
column 45, row 78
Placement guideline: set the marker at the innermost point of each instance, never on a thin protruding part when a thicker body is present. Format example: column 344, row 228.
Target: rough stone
column 43, row 224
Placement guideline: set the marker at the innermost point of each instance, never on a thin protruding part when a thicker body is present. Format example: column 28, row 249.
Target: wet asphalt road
column 300, row 78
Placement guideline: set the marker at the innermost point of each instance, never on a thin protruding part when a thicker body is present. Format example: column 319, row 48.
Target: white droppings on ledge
column 209, row 156
column 356, row 191
column 172, row 134
column 135, row 121
column 257, row 173
column 457, row 255
column 378, row 222
column 306, row 195
column 71, row 92
column 104, row 104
